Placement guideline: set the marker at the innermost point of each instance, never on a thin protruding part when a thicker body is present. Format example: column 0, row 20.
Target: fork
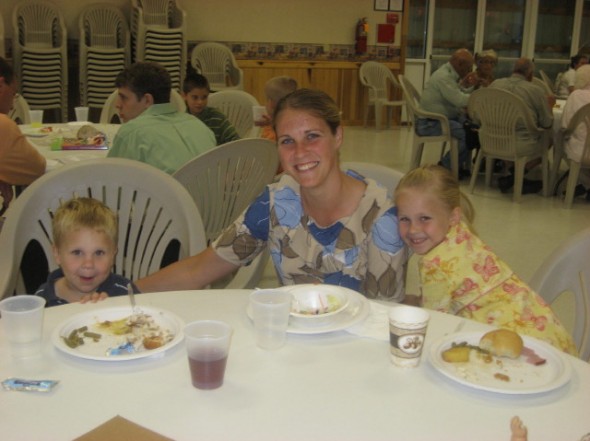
column 132, row 299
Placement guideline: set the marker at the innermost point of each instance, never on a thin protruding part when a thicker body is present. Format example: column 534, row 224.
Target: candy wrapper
column 19, row 384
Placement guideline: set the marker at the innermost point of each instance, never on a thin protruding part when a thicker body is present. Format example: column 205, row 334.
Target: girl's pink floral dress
column 462, row 276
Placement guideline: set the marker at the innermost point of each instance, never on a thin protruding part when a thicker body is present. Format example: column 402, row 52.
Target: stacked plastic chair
column 2, row 47
column 158, row 33
column 217, row 63
column 40, row 58
column 104, row 52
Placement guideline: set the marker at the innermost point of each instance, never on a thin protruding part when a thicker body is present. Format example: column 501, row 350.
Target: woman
column 485, row 62
column 321, row 225
column 574, row 145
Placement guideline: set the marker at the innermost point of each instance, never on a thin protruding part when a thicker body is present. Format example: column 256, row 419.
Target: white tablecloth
column 335, row 386
column 56, row 158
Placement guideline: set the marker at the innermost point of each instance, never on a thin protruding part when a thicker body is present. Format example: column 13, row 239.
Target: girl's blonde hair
column 83, row 213
column 440, row 182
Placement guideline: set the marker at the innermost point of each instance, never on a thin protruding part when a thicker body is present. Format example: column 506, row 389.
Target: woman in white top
column 574, row 145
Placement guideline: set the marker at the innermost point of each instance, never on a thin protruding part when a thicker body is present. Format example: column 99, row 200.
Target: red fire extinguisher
column 362, row 28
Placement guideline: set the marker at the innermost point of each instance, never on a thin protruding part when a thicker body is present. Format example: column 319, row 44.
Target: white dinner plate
column 35, row 133
column 524, row 378
column 79, row 123
column 98, row 350
column 358, row 309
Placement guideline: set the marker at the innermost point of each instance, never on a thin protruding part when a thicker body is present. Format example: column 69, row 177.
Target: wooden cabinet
column 339, row 79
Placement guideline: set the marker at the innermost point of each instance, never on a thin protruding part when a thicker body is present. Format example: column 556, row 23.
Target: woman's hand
column 94, row 297
column 519, row 430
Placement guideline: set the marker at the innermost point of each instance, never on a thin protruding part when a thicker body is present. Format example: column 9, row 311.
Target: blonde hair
column 441, row 183
column 83, row 213
column 278, row 87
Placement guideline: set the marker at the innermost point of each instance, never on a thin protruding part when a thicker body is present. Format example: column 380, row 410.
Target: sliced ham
column 531, row 357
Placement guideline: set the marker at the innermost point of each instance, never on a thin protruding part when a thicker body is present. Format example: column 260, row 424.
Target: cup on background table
column 258, row 112
column 407, row 330
column 207, row 345
column 22, row 323
column 81, row 114
column 270, row 312
column 36, row 117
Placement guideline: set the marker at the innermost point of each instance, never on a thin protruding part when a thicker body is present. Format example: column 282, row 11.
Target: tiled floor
column 522, row 234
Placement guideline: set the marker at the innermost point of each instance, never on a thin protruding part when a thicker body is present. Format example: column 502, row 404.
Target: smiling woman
column 320, row 224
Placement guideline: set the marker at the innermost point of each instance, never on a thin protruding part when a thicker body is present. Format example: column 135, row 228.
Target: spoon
column 132, row 299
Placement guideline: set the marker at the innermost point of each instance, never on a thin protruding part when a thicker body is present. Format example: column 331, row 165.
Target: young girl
column 459, row 273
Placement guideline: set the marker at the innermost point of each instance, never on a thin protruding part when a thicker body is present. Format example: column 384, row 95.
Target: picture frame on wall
column 396, row 5
column 381, row 5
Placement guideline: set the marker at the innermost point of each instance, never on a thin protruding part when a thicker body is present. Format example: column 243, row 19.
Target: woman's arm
column 194, row 272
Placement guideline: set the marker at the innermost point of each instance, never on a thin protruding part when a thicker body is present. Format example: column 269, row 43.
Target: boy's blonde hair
column 441, row 183
column 279, row 87
column 83, row 213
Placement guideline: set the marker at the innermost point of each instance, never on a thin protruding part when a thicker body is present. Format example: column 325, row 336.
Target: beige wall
column 272, row 21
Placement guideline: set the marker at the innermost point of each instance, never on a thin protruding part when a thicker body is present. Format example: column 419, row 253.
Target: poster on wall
column 381, row 5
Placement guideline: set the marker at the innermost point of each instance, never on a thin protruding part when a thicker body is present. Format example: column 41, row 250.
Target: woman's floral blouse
column 362, row 252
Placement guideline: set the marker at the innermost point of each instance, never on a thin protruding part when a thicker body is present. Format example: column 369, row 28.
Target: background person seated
column 154, row 131
column 195, row 91
column 565, row 82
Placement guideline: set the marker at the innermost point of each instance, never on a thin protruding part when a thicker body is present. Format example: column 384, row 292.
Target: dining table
column 330, row 385
column 44, row 141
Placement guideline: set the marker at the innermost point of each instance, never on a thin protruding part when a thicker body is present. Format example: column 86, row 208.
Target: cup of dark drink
column 207, row 344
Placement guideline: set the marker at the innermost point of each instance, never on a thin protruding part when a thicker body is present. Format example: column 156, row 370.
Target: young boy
column 274, row 89
column 84, row 246
column 195, row 91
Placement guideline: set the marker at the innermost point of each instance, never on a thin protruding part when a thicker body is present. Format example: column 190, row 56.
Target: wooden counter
column 340, row 79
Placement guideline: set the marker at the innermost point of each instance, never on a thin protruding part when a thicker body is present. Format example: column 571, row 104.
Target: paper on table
column 121, row 428
column 376, row 325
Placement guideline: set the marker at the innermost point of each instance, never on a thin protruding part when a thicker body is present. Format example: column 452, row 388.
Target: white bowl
column 317, row 301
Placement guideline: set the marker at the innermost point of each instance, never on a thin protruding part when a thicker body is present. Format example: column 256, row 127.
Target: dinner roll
column 502, row 343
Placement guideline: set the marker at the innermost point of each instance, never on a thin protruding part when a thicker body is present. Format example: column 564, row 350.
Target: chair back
column 412, row 97
column 566, row 273
column 154, row 210
column 103, row 26
column 2, row 45
column 376, row 76
column 38, row 23
column 386, row 176
column 217, row 63
column 503, row 117
column 225, row 180
column 547, row 81
column 237, row 106
column 20, row 110
column 543, row 85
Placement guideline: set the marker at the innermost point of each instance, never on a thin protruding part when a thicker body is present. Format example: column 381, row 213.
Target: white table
column 318, row 387
column 56, row 158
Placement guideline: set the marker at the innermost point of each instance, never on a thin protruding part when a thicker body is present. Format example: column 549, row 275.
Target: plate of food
column 37, row 132
column 352, row 308
column 500, row 361
column 116, row 334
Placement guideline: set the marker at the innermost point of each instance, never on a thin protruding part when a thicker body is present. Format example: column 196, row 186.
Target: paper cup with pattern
column 407, row 330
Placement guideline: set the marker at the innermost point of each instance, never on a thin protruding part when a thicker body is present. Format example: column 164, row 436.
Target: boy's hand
column 264, row 120
column 94, row 297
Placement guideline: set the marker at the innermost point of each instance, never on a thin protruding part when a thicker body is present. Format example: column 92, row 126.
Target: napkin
column 376, row 325
column 120, row 428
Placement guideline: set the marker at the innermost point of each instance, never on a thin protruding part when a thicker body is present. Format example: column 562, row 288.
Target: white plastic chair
column 237, row 106
column 547, row 81
column 153, row 209
column 2, row 45
column 223, row 182
column 543, row 85
column 582, row 116
column 109, row 111
column 217, row 63
column 381, row 84
column 20, row 110
column 566, row 272
column 386, row 176
column 412, row 98
column 500, row 114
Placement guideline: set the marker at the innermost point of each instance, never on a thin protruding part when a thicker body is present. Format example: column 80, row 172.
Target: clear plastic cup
column 36, row 117
column 22, row 322
column 270, row 313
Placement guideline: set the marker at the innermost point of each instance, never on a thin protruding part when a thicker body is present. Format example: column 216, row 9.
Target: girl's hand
column 94, row 297
column 519, row 430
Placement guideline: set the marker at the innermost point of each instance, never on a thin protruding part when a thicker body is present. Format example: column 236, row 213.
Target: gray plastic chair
column 381, row 82
column 237, row 106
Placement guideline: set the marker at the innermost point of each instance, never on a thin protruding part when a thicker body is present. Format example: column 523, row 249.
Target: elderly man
column 20, row 162
column 154, row 131
column 541, row 105
column 447, row 92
